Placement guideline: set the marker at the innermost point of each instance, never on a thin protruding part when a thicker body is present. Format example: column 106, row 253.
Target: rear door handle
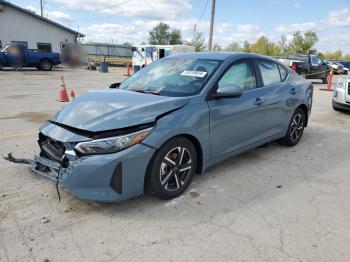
column 259, row 101
column 293, row 91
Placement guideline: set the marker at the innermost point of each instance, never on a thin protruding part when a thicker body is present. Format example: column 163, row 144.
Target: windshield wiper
column 145, row 91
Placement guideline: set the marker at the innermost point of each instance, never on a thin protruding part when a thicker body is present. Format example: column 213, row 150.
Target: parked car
column 345, row 63
column 172, row 119
column 310, row 66
column 18, row 55
column 338, row 68
column 341, row 95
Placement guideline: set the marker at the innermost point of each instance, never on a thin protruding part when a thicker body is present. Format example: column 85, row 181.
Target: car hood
column 110, row 109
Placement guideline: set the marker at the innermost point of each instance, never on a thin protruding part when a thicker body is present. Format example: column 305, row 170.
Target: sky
column 119, row 21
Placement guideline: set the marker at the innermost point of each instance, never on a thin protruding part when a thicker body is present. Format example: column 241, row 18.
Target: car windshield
column 172, row 77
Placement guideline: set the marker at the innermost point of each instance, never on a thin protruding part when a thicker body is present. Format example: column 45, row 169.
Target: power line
column 201, row 16
column 199, row 19
column 111, row 6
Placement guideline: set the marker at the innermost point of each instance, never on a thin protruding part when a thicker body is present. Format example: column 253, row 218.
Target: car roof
column 221, row 55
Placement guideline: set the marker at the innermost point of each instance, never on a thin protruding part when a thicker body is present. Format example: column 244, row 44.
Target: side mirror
column 115, row 85
column 228, row 91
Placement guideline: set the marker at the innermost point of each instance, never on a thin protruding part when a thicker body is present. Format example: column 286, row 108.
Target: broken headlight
column 111, row 144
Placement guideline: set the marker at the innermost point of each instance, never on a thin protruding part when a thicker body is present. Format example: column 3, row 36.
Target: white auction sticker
column 193, row 73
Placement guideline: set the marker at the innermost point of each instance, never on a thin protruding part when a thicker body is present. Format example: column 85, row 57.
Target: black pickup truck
column 310, row 66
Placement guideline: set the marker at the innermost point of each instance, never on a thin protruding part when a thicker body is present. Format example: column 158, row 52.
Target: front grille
column 116, row 182
column 51, row 149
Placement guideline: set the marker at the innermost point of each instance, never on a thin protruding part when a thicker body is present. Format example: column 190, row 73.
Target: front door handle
column 293, row 91
column 259, row 101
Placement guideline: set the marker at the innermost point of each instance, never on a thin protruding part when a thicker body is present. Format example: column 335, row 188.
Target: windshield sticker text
column 193, row 73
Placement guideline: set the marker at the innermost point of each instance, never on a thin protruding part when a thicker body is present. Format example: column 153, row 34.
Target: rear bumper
column 107, row 178
column 343, row 106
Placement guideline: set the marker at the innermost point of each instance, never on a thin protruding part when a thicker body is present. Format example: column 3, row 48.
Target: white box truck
column 143, row 55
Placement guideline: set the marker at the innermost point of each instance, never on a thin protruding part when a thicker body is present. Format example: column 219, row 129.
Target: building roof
column 2, row 2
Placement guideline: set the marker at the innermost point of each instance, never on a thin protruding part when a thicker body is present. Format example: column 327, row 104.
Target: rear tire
column 172, row 168
column 45, row 65
column 295, row 129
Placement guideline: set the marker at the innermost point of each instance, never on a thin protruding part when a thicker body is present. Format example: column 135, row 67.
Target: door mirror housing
column 115, row 85
column 228, row 91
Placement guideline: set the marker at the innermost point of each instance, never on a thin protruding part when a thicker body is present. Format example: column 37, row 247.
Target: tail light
column 294, row 67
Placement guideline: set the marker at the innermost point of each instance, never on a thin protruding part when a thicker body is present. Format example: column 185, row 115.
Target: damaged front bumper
column 107, row 177
column 36, row 163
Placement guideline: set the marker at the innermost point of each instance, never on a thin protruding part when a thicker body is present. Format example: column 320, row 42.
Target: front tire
column 295, row 128
column 172, row 168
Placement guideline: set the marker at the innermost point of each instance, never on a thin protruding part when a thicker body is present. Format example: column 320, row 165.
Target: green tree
column 321, row 55
column 233, row 47
column 301, row 43
column 127, row 44
column 198, row 42
column 159, row 35
column 246, row 47
column 283, row 45
column 337, row 54
column 265, row 47
column 175, row 37
column 346, row 57
column 217, row 47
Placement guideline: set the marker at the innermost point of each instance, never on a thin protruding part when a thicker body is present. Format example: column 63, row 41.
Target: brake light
column 294, row 67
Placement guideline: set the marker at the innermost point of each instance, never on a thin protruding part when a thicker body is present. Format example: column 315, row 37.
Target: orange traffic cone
column 329, row 80
column 63, row 95
column 71, row 95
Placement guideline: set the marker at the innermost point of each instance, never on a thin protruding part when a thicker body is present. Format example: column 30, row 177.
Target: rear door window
column 46, row 47
column 269, row 72
column 283, row 72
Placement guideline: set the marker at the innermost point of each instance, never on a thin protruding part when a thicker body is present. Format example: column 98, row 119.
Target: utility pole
column 41, row 8
column 211, row 24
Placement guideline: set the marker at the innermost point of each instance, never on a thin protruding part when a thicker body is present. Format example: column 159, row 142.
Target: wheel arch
column 45, row 58
column 197, row 145
column 304, row 108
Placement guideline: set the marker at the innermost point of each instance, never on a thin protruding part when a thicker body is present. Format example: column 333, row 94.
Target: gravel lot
column 272, row 203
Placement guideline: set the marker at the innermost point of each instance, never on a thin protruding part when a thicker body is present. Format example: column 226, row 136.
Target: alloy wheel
column 46, row 66
column 297, row 127
column 175, row 169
